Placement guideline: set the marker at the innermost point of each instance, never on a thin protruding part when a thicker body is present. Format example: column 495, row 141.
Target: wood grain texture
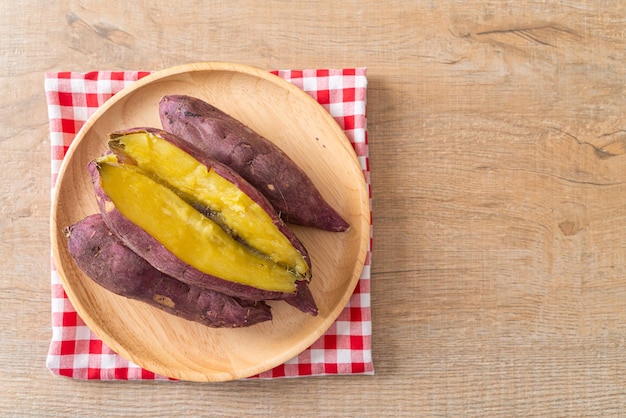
column 497, row 141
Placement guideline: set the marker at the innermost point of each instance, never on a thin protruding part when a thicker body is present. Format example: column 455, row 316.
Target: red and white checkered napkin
column 77, row 352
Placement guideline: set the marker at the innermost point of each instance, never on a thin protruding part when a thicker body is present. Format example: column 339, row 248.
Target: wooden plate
column 284, row 114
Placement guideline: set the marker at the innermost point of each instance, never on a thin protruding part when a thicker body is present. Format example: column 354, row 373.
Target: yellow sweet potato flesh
column 185, row 232
column 235, row 210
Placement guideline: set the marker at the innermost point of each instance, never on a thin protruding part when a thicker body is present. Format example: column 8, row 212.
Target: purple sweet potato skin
column 108, row 262
column 255, row 158
column 143, row 244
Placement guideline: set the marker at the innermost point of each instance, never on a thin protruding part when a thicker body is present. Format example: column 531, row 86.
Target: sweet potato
column 108, row 262
column 156, row 223
column 215, row 190
column 255, row 158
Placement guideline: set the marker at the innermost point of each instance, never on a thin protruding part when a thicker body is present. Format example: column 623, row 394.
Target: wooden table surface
column 498, row 155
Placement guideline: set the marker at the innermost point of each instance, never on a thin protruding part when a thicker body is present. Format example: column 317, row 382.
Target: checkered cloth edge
column 76, row 352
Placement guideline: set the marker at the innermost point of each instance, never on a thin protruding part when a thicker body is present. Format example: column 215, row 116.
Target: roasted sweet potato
column 151, row 217
column 216, row 191
column 255, row 158
column 108, row 262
